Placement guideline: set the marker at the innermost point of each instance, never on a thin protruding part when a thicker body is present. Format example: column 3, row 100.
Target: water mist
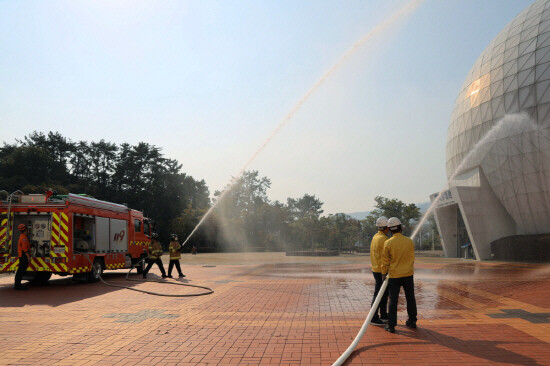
column 401, row 14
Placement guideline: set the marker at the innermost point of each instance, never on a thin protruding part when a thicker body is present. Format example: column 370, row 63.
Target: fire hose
column 363, row 329
column 208, row 292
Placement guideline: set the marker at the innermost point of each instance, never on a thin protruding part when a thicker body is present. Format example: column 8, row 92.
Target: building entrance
column 463, row 244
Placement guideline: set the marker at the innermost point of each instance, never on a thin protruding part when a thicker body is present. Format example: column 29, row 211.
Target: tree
column 102, row 161
column 275, row 229
column 80, row 161
column 27, row 166
column 245, row 193
column 239, row 211
column 304, row 219
column 305, row 207
column 344, row 232
column 408, row 214
column 59, row 150
column 184, row 224
column 57, row 146
column 430, row 235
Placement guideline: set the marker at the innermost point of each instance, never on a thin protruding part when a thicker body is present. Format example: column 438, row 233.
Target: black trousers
column 173, row 262
column 394, row 285
column 383, row 306
column 158, row 261
column 23, row 264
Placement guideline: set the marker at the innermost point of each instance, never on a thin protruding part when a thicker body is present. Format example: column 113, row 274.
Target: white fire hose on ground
column 363, row 329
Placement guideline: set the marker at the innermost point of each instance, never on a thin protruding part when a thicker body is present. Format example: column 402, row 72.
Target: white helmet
column 382, row 221
column 393, row 222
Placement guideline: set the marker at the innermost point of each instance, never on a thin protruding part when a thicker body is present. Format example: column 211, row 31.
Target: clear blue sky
column 208, row 81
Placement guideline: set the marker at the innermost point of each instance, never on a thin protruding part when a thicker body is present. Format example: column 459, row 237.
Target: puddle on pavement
column 438, row 286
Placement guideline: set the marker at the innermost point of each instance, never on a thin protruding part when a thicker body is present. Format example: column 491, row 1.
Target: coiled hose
column 208, row 292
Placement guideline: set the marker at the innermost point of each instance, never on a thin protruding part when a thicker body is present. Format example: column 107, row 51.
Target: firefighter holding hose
column 24, row 252
column 376, row 248
column 175, row 255
column 398, row 264
column 155, row 253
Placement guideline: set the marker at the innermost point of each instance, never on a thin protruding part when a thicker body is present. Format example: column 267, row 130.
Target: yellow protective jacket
column 155, row 249
column 398, row 256
column 376, row 248
column 175, row 248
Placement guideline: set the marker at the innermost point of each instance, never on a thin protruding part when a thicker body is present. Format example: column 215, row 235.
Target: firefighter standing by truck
column 155, row 253
column 175, row 255
column 24, row 252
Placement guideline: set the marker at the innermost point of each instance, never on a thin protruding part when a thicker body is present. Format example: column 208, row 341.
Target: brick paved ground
column 270, row 309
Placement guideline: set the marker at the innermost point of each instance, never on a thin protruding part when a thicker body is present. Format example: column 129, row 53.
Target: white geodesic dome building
column 498, row 142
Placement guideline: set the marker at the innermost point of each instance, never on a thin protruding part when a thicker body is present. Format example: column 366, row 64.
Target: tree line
column 140, row 176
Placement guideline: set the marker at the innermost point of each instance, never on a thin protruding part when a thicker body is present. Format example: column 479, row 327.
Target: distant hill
column 362, row 214
column 359, row 215
column 423, row 206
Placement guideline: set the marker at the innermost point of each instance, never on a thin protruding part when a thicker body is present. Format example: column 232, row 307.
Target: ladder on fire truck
column 5, row 229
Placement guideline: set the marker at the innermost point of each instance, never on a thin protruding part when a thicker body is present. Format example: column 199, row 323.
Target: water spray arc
column 507, row 125
column 402, row 13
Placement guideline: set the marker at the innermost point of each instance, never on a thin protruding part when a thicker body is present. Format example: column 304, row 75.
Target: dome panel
column 528, row 45
column 542, row 71
column 543, row 91
column 497, row 60
column 526, row 61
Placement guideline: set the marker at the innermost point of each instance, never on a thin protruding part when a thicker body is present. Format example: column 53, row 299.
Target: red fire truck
column 72, row 235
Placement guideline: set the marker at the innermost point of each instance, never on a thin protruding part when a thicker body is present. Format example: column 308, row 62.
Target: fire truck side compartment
column 119, row 235
column 102, row 234
column 84, row 233
column 39, row 233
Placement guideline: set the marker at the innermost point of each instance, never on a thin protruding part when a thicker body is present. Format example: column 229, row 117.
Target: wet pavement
column 270, row 309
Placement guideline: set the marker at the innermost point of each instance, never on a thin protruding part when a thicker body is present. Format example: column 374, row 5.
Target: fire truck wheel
column 41, row 278
column 97, row 271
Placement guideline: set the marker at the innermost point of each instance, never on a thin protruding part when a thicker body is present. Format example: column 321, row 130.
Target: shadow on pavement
column 485, row 349
column 386, row 344
column 63, row 290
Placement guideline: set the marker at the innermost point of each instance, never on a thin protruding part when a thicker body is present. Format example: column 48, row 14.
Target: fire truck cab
column 72, row 235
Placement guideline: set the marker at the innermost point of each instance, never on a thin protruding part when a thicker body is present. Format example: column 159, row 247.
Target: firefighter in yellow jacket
column 398, row 265
column 175, row 255
column 376, row 248
column 155, row 253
